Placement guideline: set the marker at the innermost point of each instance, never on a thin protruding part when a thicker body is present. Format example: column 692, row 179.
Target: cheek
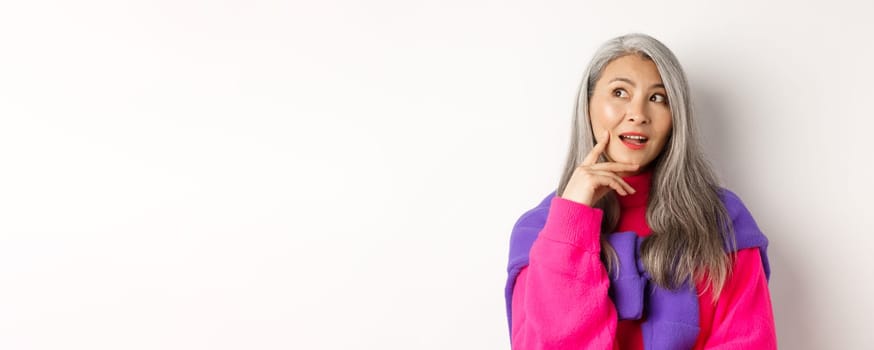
column 665, row 132
column 604, row 114
column 663, row 124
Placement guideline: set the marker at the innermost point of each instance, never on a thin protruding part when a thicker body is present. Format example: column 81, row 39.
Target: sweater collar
column 641, row 183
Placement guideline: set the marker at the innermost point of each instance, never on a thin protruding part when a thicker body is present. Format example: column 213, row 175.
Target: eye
column 620, row 93
column 658, row 98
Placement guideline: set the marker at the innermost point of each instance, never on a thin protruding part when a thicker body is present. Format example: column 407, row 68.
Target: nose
column 636, row 113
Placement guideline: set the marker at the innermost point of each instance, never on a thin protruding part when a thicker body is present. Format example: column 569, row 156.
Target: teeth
column 634, row 137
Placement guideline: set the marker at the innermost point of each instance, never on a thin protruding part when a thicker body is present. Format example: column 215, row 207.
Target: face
column 631, row 102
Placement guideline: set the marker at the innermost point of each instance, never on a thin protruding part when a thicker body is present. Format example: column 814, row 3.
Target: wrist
column 578, row 198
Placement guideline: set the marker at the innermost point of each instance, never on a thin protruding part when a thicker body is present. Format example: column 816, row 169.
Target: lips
column 634, row 140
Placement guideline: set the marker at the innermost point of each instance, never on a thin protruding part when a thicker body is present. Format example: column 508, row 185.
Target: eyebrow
column 632, row 83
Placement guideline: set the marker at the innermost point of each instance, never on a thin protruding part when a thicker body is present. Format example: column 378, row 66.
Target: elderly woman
column 639, row 247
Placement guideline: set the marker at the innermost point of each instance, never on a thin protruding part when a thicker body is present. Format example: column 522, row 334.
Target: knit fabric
column 659, row 318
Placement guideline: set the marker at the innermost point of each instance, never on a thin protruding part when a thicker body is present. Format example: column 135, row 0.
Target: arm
column 743, row 317
column 560, row 299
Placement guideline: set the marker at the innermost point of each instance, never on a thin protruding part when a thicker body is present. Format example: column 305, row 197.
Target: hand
column 591, row 180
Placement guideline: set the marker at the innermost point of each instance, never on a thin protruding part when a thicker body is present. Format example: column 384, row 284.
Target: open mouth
column 633, row 140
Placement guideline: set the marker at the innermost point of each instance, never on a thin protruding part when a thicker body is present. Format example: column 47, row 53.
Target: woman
column 638, row 248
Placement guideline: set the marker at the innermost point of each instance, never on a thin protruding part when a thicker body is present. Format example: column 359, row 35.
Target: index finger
column 592, row 157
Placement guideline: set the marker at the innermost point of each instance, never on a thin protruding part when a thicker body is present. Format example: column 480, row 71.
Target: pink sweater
column 560, row 299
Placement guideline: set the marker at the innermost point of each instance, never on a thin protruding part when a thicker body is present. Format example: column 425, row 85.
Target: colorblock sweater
column 563, row 299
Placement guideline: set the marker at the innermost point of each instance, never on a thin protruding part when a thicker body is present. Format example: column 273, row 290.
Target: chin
column 624, row 158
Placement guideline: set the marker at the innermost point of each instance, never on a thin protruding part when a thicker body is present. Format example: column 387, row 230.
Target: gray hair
column 690, row 225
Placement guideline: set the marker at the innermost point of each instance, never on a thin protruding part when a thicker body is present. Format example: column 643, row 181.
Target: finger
column 615, row 178
column 606, row 180
column 596, row 151
column 618, row 188
column 614, row 166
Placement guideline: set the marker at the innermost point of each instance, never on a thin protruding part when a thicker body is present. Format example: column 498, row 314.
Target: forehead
column 639, row 69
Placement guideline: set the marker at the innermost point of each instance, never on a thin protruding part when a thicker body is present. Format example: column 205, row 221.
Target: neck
column 641, row 183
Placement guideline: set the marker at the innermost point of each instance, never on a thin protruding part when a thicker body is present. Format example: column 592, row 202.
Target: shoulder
column 526, row 229
column 736, row 208
column 536, row 216
column 745, row 227
column 748, row 237
column 733, row 204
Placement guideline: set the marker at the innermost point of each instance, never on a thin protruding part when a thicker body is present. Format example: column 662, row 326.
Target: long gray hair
column 690, row 225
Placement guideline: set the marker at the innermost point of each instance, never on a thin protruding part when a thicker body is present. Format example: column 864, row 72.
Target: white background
column 345, row 175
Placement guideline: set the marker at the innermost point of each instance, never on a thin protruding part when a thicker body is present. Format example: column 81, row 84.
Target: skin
column 638, row 104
